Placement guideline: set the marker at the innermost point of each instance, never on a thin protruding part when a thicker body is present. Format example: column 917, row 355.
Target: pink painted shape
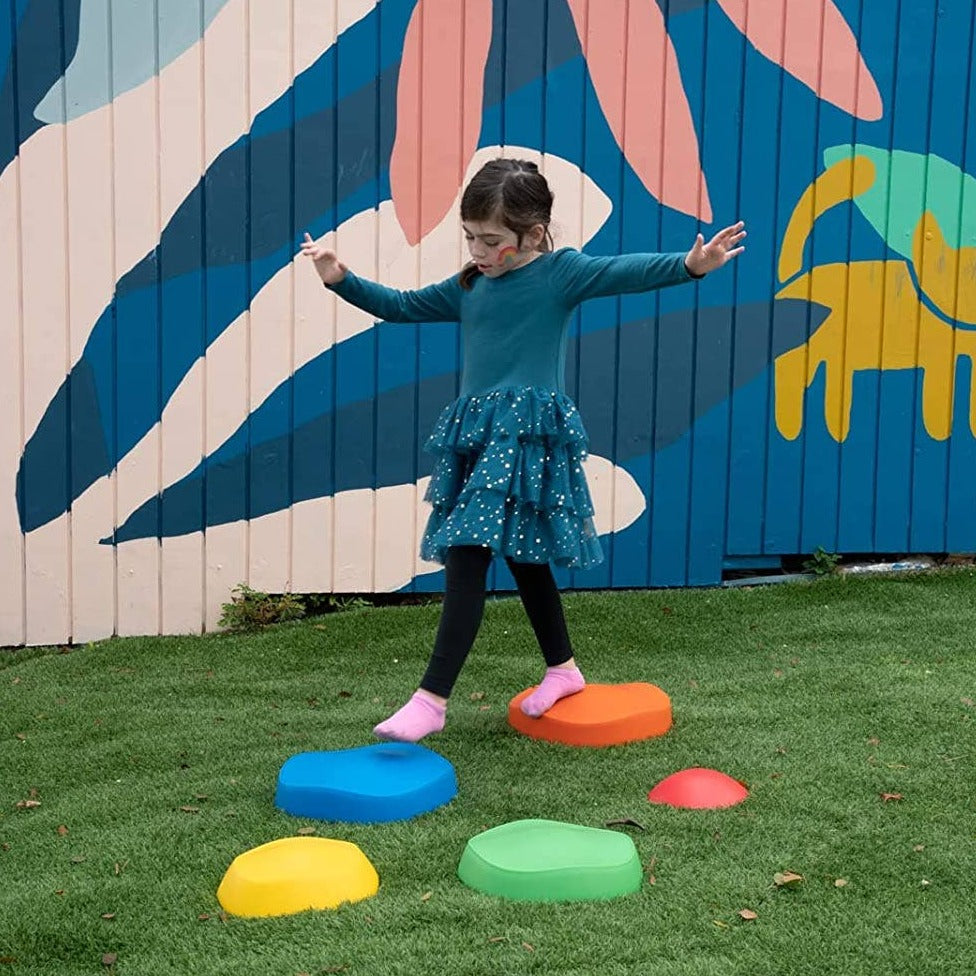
column 439, row 100
column 634, row 69
column 815, row 31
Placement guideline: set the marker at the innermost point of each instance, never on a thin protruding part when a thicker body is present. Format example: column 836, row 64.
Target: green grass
column 820, row 696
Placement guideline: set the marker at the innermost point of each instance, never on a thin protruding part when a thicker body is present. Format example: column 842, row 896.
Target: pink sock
column 557, row 683
column 419, row 717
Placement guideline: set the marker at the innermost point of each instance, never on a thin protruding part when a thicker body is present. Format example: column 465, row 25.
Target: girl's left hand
column 723, row 247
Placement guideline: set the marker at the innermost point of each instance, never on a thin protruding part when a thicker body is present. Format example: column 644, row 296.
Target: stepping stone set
column 529, row 860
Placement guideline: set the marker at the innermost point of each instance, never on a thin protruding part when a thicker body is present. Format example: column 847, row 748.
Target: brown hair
column 512, row 192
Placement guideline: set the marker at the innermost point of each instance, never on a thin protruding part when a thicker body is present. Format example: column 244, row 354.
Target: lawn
column 133, row 771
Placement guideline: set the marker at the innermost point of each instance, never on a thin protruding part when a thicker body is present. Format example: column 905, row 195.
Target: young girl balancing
column 508, row 478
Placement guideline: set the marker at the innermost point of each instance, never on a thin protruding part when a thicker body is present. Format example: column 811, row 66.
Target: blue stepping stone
column 371, row 784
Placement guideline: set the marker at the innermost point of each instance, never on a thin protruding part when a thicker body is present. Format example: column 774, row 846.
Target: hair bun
column 529, row 165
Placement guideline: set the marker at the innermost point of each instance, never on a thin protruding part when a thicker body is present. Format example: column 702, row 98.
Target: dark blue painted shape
column 257, row 448
column 11, row 12
column 331, row 181
column 45, row 37
column 122, row 356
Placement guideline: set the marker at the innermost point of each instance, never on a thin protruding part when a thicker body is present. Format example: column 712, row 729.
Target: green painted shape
column 545, row 860
column 906, row 185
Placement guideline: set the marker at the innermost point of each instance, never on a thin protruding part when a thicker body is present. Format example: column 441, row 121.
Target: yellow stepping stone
column 295, row 874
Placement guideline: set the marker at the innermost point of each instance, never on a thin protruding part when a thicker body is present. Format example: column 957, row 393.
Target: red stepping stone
column 698, row 789
column 600, row 715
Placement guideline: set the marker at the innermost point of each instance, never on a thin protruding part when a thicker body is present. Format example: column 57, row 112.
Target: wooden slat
column 181, row 442
column 44, row 290
column 227, row 109
column 91, row 262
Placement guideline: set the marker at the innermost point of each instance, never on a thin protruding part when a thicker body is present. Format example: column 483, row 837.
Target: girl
column 508, row 478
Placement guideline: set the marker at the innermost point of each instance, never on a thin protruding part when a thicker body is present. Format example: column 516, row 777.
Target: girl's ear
column 534, row 235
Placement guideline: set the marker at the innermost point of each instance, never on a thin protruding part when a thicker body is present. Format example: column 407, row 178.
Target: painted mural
column 187, row 409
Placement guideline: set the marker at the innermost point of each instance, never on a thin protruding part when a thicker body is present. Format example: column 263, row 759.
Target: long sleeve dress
column 509, row 450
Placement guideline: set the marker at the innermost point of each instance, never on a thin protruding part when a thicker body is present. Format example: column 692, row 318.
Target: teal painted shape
column 117, row 47
column 907, row 184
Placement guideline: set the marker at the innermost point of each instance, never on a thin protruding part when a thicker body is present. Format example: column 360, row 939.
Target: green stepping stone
column 545, row 860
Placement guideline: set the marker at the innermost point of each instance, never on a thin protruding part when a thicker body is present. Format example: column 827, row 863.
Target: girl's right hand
column 331, row 270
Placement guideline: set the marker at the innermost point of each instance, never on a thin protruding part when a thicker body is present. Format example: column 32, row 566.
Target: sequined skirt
column 509, row 476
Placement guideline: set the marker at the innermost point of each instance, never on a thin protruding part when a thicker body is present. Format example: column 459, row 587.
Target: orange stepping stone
column 599, row 715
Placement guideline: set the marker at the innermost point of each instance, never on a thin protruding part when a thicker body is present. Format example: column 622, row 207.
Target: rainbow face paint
column 507, row 256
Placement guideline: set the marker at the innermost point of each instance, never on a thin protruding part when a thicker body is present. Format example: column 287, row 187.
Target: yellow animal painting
column 880, row 319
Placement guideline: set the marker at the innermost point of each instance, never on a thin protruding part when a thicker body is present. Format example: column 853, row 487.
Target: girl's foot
column 419, row 717
column 557, row 683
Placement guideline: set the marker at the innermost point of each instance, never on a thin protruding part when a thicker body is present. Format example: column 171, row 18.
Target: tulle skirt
column 509, row 476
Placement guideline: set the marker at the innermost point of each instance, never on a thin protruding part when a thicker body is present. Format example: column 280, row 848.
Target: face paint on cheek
column 507, row 256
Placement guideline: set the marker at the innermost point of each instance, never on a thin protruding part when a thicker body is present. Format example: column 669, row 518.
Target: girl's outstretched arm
column 435, row 303
column 583, row 276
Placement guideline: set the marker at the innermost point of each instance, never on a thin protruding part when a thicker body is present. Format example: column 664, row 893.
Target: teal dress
column 510, row 449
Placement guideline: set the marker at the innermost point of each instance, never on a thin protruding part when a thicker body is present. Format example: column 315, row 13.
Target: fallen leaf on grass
column 120, row 866
column 60, row 891
column 8, row 960
column 108, row 916
column 528, row 947
column 650, row 871
column 498, row 938
column 484, row 708
column 968, row 702
column 204, row 917
column 874, row 741
column 28, row 804
column 891, row 796
column 747, row 914
column 109, row 958
column 21, row 736
column 426, row 896
column 719, row 923
column 345, row 694
column 189, row 809
column 787, row 879
column 918, row 848
column 625, row 822
column 477, row 695
column 4, row 846
column 305, row 831
column 840, row 883
column 62, row 830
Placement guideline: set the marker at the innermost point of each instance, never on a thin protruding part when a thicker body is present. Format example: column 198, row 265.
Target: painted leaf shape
column 643, row 98
column 815, row 44
column 907, row 184
column 439, row 103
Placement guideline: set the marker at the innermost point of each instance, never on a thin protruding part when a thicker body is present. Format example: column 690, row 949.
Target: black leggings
column 466, row 569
